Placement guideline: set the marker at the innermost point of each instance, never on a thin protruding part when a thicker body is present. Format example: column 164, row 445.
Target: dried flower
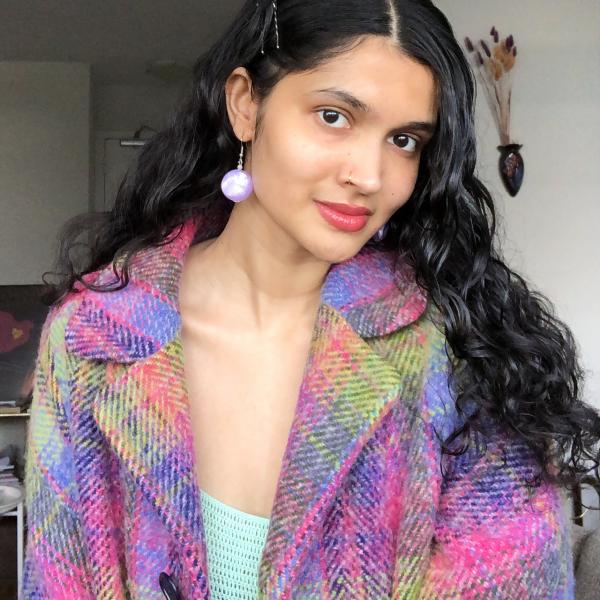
column 495, row 67
column 504, row 57
column 509, row 62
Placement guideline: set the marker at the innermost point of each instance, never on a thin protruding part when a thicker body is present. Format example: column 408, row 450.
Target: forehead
column 379, row 74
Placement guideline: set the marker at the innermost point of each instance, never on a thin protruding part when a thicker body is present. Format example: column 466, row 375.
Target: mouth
column 343, row 216
column 347, row 209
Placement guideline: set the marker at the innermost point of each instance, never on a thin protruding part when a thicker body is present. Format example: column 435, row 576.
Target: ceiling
column 119, row 38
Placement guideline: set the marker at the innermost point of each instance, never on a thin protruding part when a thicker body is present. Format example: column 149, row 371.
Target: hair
column 510, row 356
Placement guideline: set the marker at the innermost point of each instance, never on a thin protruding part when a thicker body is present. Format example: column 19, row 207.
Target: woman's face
column 363, row 116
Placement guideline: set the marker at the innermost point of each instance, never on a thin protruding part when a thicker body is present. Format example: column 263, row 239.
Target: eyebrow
column 352, row 100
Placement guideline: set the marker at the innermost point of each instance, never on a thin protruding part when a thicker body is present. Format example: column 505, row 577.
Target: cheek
column 287, row 159
column 300, row 157
column 402, row 185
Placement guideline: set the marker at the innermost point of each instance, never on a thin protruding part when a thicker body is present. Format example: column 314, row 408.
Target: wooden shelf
column 22, row 415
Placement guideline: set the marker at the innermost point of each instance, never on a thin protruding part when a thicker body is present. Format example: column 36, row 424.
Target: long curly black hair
column 510, row 354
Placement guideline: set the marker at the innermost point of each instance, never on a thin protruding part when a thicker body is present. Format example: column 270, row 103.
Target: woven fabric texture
column 361, row 508
column 234, row 544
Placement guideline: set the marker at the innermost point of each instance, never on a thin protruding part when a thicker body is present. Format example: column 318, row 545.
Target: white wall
column 126, row 107
column 49, row 113
column 44, row 161
column 551, row 228
column 118, row 111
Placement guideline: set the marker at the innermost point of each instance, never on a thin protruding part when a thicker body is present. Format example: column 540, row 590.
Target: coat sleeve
column 55, row 558
column 497, row 534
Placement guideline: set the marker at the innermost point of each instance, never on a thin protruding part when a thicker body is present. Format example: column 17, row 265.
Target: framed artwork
column 22, row 315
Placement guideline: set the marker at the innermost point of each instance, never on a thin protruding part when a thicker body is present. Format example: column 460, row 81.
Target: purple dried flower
column 485, row 48
column 469, row 44
column 510, row 42
column 514, row 50
column 493, row 31
column 480, row 58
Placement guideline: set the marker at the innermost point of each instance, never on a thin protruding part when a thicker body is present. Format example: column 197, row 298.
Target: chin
column 337, row 253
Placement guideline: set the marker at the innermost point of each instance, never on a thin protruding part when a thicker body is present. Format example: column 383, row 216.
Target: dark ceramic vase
column 512, row 167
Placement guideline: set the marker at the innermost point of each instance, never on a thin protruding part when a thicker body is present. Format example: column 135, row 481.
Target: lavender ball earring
column 381, row 233
column 237, row 184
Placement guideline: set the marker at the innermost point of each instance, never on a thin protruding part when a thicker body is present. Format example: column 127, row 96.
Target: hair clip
column 274, row 2
column 267, row 25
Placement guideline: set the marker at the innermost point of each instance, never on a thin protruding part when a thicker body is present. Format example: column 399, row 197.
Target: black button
column 169, row 589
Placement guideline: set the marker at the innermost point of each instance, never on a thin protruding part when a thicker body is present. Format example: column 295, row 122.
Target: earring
column 237, row 184
column 381, row 233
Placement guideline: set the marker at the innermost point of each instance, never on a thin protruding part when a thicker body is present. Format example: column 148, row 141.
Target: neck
column 253, row 273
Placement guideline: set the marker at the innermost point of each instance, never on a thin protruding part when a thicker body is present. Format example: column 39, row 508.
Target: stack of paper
column 7, row 475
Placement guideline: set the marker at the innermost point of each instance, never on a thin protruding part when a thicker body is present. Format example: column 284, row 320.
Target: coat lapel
column 347, row 389
column 143, row 412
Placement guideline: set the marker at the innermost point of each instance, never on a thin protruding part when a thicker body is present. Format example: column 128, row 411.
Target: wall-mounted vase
column 512, row 167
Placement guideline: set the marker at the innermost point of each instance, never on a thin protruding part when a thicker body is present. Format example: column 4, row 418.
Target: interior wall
column 549, row 230
column 126, row 107
column 44, row 161
column 118, row 112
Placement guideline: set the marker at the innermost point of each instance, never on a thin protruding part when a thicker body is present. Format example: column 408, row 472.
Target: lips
column 345, row 221
column 347, row 209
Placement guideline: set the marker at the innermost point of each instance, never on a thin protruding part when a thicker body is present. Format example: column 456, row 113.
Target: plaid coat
column 361, row 508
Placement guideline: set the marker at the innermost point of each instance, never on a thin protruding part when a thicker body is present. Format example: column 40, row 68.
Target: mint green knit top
column 234, row 545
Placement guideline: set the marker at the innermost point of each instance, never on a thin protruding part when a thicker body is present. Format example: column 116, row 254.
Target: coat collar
column 348, row 388
column 375, row 291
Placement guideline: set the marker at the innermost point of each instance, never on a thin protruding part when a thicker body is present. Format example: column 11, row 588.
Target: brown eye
column 406, row 142
column 331, row 117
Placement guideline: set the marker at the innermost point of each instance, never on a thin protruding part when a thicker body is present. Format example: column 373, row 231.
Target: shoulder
column 126, row 324
column 54, row 331
column 429, row 357
column 54, row 373
column 437, row 408
column 131, row 322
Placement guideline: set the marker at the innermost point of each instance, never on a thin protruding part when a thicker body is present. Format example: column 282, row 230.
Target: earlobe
column 241, row 107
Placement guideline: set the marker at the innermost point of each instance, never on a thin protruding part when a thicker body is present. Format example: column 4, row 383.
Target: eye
column 406, row 142
column 331, row 117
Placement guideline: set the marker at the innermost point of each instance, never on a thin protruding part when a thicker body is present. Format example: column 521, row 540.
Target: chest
column 353, row 452
column 242, row 396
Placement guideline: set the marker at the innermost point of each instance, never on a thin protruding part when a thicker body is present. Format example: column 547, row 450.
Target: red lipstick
column 344, row 216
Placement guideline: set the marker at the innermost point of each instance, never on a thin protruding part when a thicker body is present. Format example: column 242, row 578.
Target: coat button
column 169, row 589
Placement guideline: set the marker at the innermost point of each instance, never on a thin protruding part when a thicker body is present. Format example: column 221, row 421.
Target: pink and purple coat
column 361, row 509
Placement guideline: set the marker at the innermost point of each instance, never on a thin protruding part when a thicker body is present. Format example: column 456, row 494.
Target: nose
column 168, row 587
column 363, row 170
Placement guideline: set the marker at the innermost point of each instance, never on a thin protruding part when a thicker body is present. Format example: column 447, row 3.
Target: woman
column 313, row 377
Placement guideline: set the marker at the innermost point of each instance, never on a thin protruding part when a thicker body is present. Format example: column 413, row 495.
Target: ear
column 241, row 107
